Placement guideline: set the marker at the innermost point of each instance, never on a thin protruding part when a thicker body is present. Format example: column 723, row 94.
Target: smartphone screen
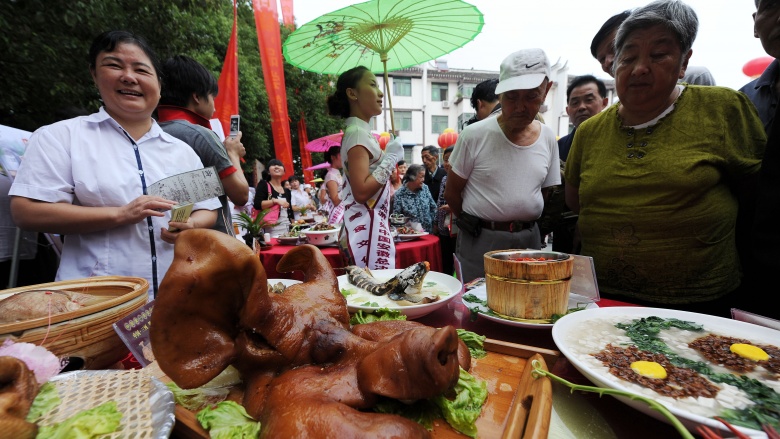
column 235, row 121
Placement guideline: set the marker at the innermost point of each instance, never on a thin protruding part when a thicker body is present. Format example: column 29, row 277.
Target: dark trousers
column 447, row 245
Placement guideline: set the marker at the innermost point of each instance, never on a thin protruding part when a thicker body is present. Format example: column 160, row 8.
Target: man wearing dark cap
column 503, row 167
column 602, row 47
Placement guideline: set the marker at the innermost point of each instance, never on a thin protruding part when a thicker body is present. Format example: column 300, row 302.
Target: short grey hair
column 412, row 172
column 674, row 15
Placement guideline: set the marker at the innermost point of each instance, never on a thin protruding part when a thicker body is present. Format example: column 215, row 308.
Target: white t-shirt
column 504, row 179
column 299, row 198
column 89, row 161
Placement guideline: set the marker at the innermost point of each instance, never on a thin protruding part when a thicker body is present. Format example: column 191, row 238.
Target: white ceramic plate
column 287, row 240
column 568, row 336
column 410, row 236
column 435, row 282
column 575, row 301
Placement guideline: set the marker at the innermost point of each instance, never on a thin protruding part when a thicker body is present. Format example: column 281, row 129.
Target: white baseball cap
column 523, row 70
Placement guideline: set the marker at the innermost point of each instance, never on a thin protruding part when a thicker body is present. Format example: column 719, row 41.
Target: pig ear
column 195, row 318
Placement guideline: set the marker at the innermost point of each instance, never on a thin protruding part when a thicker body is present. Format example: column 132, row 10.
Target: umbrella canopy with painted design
column 383, row 35
column 324, row 143
column 323, row 165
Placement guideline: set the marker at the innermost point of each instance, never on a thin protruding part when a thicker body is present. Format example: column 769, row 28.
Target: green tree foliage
column 43, row 57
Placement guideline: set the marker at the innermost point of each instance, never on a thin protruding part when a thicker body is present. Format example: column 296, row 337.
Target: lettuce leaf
column 228, row 420
column 475, row 343
column 211, row 393
column 86, row 424
column 462, row 412
column 379, row 315
column 46, row 400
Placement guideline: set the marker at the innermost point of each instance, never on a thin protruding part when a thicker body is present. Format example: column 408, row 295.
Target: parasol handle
column 389, row 98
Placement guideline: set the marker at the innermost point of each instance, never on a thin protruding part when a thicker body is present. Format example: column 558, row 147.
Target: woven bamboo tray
column 86, row 333
column 518, row 406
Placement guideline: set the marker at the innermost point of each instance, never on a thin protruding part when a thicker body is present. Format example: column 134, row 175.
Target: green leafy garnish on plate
column 378, row 315
column 461, row 412
column 46, row 400
column 644, row 334
column 228, row 420
column 483, row 308
column 474, row 341
column 87, row 424
column 211, row 393
column 346, row 292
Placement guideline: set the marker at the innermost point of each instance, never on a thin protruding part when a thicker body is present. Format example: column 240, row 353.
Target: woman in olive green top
column 658, row 178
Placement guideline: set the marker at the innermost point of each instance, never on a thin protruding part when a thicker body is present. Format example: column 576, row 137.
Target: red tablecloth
column 426, row 248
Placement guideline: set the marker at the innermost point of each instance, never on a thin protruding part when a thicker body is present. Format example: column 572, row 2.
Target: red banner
column 226, row 102
column 287, row 13
column 270, row 42
column 303, row 139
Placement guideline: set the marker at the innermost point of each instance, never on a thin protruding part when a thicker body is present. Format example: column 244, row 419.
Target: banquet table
column 424, row 248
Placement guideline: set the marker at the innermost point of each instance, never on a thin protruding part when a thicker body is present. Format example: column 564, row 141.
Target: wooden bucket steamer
column 528, row 289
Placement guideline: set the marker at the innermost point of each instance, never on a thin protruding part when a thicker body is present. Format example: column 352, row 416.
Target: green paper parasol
column 383, row 35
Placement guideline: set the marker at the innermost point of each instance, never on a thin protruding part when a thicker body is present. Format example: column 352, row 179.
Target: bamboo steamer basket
column 528, row 289
column 86, row 335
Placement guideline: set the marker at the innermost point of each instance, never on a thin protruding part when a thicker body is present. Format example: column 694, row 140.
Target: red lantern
column 384, row 138
column 755, row 67
column 448, row 138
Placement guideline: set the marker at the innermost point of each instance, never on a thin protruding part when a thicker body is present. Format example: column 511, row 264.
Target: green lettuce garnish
column 46, row 400
column 87, row 424
column 211, row 393
column 228, row 420
column 462, row 412
column 376, row 316
column 475, row 343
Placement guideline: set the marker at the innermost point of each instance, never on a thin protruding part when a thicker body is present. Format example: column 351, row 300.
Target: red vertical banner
column 270, row 42
column 303, row 139
column 287, row 13
column 226, row 102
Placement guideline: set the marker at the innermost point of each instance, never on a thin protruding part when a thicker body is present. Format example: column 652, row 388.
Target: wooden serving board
column 517, row 405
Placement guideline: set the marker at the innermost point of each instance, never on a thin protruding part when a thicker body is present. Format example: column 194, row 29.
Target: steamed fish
column 406, row 285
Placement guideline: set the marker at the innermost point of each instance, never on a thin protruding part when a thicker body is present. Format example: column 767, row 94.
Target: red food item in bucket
column 527, row 259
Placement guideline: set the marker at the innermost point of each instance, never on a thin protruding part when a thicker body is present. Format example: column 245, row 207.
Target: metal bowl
column 547, row 255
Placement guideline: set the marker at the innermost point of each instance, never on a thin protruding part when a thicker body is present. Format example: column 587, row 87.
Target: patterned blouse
column 441, row 215
column 418, row 206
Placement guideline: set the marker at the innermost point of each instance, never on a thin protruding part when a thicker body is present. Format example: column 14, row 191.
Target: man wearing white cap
column 503, row 166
